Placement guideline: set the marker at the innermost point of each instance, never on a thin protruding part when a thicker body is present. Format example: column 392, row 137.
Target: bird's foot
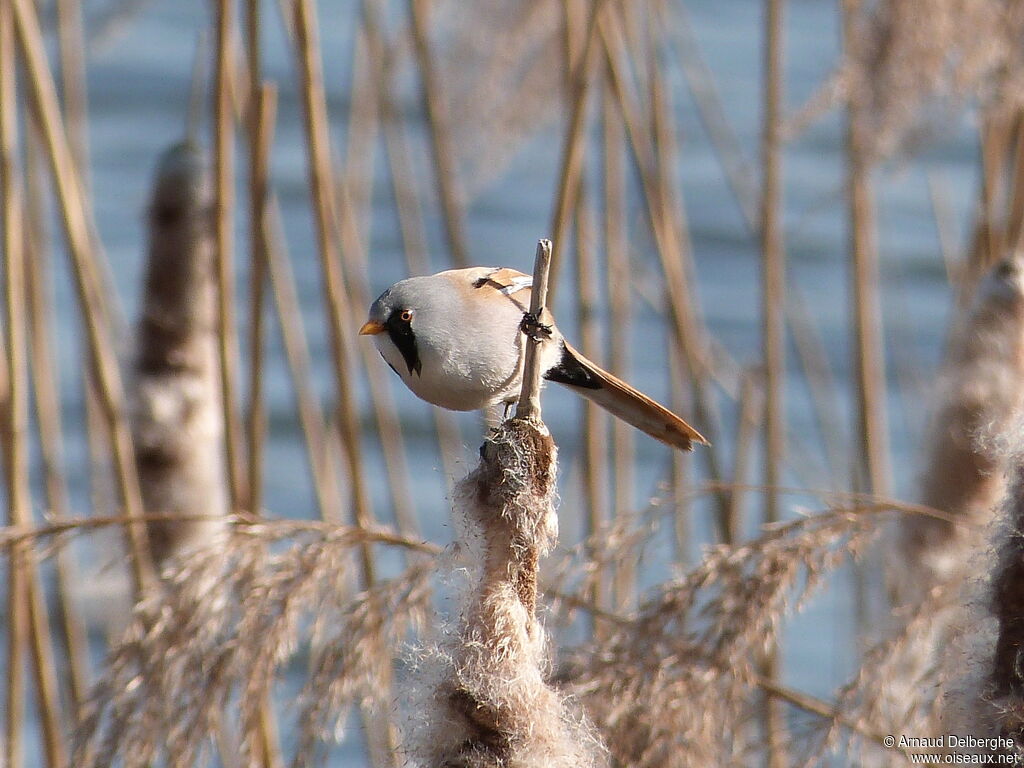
column 534, row 328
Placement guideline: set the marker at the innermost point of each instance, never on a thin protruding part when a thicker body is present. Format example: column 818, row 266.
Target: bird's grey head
column 397, row 316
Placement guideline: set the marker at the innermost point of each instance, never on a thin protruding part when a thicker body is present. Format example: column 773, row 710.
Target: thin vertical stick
column 381, row 737
column 262, row 112
column 223, row 205
column 747, row 426
column 773, row 264
column 355, row 190
column 595, row 425
column 681, row 463
column 573, row 141
column 528, row 407
column 825, row 395
column 87, row 282
column 445, row 172
column 339, row 316
column 869, row 357
column 410, row 217
column 71, row 44
column 25, row 596
column 668, row 225
column 773, row 321
column 318, row 447
column 17, row 605
column 619, row 279
column 700, row 80
column 263, row 107
column 48, row 418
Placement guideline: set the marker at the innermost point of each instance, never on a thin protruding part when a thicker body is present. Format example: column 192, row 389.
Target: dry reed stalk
column 869, row 351
column 410, row 216
column 29, row 621
column 944, row 218
column 701, row 83
column 381, row 737
column 46, row 398
column 574, row 139
column 355, row 190
column 748, row 422
column 594, row 470
column 321, row 457
column 668, row 228
column 261, row 114
column 821, row 380
column 773, row 323
column 1015, row 208
column 223, row 214
column 682, row 469
column 616, row 243
column 75, row 220
column 264, row 107
column 177, row 417
column 338, row 313
column 17, row 605
column 773, row 257
column 445, row 172
column 71, row 46
column 484, row 699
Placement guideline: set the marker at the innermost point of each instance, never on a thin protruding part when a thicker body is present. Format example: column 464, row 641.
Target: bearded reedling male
column 456, row 340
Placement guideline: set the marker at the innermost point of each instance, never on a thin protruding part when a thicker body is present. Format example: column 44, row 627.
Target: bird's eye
column 406, row 315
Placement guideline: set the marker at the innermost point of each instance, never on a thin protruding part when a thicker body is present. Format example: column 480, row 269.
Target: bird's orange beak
column 371, row 328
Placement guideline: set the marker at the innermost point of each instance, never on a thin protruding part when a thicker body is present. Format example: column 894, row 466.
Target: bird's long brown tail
column 621, row 400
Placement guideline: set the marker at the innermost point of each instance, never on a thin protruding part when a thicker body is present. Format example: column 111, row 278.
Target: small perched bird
column 457, row 340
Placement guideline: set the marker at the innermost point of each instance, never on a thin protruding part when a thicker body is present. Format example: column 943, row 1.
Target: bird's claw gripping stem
column 534, row 328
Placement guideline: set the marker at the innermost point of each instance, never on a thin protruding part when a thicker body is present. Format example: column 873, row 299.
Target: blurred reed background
column 798, row 223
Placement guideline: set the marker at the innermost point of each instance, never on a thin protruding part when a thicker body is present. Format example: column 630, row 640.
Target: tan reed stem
column 17, row 604
column 681, row 467
column 595, row 425
column 773, row 265
column 573, row 141
column 747, row 428
column 261, row 112
column 821, row 380
column 773, row 322
column 263, row 109
column 668, row 226
column 339, row 316
column 381, row 737
column 442, row 153
column 318, row 446
column 618, row 287
column 88, row 285
column 25, row 595
column 48, row 417
column 869, row 357
column 223, row 214
column 410, row 216
column 355, row 190
column 71, row 45
column 701, row 82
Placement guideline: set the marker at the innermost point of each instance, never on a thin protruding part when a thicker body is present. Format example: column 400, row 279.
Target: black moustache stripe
column 405, row 340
